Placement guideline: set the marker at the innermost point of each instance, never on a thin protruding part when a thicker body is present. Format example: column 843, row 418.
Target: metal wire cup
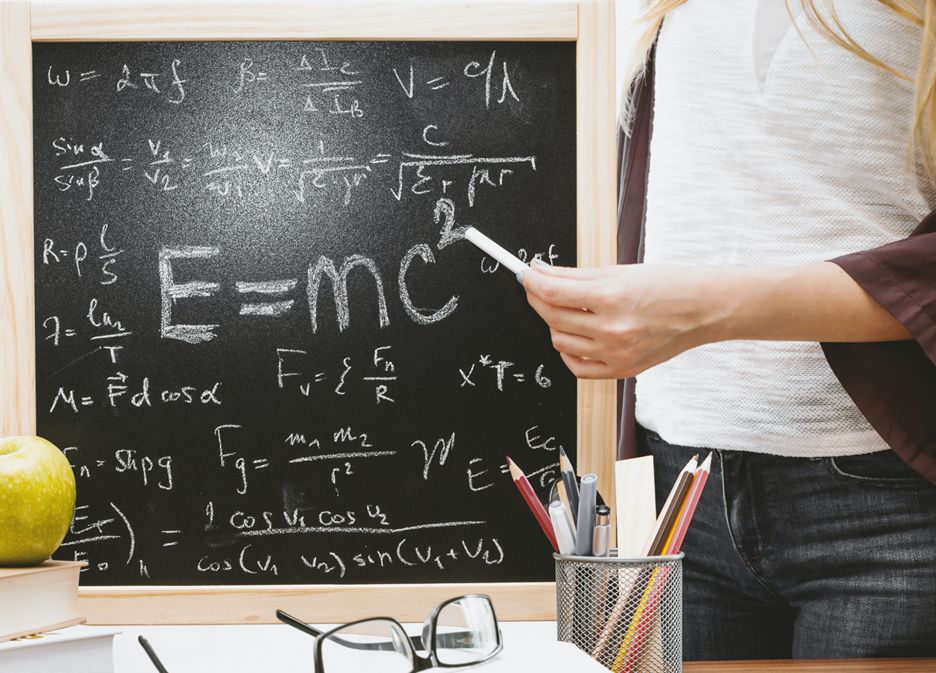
column 625, row 613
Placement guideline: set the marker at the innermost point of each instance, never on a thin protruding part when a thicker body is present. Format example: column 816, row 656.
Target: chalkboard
column 260, row 338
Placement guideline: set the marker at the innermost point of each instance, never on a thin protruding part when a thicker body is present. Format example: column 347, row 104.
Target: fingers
column 586, row 369
column 580, row 355
column 571, row 320
column 559, row 295
column 579, row 273
column 559, row 291
column 573, row 344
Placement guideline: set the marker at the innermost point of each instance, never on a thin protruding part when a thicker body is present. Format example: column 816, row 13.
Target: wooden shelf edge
column 324, row 604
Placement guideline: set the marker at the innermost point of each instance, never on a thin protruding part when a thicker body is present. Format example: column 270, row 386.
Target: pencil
column 692, row 500
column 667, row 517
column 682, row 511
column 523, row 485
column 646, row 610
column 655, row 544
column 571, row 483
column 632, row 646
column 636, row 622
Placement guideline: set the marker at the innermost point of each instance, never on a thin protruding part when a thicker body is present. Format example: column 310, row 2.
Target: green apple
column 37, row 499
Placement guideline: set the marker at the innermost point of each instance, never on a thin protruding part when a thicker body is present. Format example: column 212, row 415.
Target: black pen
column 144, row 643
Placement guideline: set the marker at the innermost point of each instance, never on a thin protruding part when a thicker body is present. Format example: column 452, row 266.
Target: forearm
column 815, row 302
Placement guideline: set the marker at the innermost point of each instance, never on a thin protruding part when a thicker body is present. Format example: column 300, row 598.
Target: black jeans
column 805, row 557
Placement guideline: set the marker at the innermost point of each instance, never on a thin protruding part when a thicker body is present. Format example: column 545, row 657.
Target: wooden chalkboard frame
column 590, row 23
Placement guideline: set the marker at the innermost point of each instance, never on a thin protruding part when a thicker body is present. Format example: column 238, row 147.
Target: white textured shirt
column 768, row 151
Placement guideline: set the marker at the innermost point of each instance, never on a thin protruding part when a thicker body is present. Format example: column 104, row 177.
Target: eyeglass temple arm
column 151, row 653
column 452, row 639
column 296, row 623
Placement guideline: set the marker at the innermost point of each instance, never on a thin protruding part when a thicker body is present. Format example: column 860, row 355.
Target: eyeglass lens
column 374, row 646
column 473, row 618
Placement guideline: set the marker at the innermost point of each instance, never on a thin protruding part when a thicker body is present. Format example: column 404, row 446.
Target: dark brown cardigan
column 893, row 383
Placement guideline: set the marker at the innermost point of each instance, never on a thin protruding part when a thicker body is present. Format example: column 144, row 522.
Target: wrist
column 716, row 303
column 735, row 302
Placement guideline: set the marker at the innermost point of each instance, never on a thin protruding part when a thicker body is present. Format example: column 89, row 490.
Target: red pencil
column 523, row 484
column 692, row 499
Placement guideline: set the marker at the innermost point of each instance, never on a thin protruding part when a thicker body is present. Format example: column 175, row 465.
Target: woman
column 782, row 137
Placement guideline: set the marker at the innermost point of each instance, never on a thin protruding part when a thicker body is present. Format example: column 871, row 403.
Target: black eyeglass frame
column 420, row 663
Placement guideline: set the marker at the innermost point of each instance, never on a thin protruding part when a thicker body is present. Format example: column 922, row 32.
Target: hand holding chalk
column 667, row 309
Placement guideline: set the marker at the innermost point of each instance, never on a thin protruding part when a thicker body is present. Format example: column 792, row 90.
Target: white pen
column 561, row 528
column 499, row 253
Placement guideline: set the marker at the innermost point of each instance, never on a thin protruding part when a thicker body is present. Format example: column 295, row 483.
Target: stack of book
column 38, row 614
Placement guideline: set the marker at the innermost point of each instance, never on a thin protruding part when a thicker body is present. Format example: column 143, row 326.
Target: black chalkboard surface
column 261, row 340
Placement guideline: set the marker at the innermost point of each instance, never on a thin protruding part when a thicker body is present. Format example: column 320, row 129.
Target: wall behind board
column 268, row 353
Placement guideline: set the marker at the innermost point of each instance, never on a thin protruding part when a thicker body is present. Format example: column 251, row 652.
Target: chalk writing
column 262, row 340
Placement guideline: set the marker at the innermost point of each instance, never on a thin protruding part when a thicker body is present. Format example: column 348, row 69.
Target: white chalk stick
column 503, row 256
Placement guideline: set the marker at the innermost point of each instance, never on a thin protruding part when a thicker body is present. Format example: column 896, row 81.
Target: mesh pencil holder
column 625, row 613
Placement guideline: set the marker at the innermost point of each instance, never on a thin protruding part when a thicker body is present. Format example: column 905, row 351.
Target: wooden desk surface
column 814, row 666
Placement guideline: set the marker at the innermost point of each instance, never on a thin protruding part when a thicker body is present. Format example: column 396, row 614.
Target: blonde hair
column 829, row 25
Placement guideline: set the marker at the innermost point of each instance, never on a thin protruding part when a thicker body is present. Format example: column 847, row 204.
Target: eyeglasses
column 462, row 631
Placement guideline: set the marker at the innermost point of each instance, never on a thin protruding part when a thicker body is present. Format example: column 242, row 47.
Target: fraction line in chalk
column 354, row 454
column 241, row 167
column 86, row 163
column 347, row 83
column 313, row 160
column 112, row 336
column 555, row 466
column 344, row 529
column 436, row 156
column 336, row 168
column 379, row 378
column 90, row 539
column 444, row 161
